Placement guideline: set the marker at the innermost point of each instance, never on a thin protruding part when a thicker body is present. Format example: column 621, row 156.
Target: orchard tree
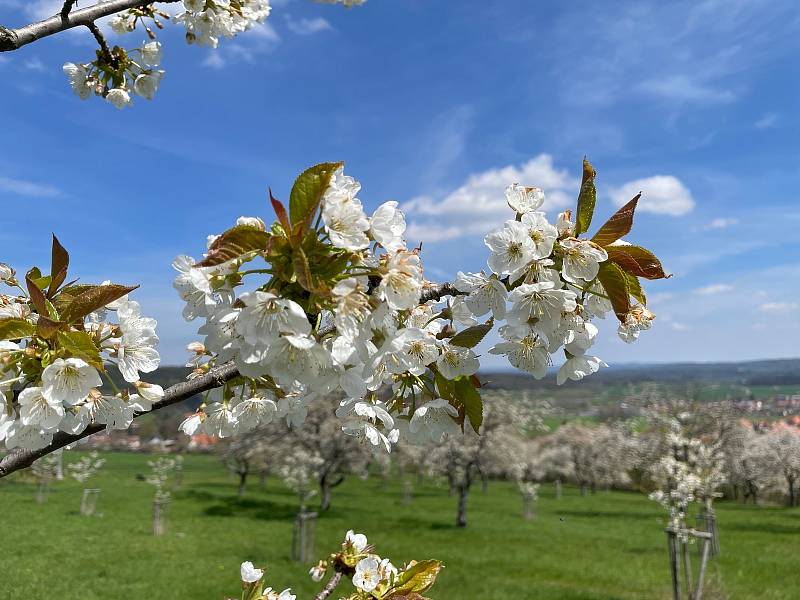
column 783, row 451
column 118, row 74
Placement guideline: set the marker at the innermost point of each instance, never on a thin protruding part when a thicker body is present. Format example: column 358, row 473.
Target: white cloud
column 214, row 60
column 722, row 223
column 479, row 204
column 247, row 47
column 33, row 189
column 661, row 194
column 714, row 289
column 685, row 88
column 679, row 327
column 778, row 307
column 34, row 64
column 307, row 26
column 766, row 121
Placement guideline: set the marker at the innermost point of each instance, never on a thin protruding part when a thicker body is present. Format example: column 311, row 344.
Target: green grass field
column 606, row 546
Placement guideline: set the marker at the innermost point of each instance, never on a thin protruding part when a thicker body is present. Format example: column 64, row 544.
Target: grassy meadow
column 600, row 547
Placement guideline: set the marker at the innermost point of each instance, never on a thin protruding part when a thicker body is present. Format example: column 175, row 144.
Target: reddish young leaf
column 36, row 295
column 58, row 266
column 637, row 261
column 234, row 243
column 618, row 226
column 280, row 212
column 92, row 299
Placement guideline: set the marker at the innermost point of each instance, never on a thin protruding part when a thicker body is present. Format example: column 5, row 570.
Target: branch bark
column 19, row 459
column 14, row 39
column 331, row 585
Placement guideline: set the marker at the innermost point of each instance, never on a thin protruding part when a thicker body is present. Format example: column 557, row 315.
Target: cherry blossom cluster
column 691, row 471
column 118, row 74
column 56, row 340
column 372, row 577
column 341, row 306
column 86, row 467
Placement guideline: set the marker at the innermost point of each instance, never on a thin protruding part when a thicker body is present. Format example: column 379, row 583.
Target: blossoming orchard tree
column 326, row 302
column 118, row 74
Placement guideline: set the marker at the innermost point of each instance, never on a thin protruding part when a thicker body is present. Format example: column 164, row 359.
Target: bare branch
column 19, row 459
column 217, row 376
column 14, row 39
column 331, row 585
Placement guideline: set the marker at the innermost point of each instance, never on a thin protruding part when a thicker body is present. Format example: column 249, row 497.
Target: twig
column 331, row 585
column 102, row 41
column 14, row 39
column 68, row 4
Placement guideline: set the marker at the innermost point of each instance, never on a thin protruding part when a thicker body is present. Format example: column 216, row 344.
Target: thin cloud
column 777, row 308
column 308, row 26
column 32, row 189
column 767, row 121
column 479, row 203
column 661, row 194
column 714, row 289
column 722, row 223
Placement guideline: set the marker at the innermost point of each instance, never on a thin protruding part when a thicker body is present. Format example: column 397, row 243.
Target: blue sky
column 438, row 104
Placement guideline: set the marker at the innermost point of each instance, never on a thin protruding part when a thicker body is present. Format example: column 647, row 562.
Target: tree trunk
column 484, row 484
column 325, row 498
column 584, row 488
column 792, row 496
column 463, row 492
column 242, row 484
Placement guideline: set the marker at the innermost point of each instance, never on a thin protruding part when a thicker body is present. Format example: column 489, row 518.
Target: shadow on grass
column 263, row 510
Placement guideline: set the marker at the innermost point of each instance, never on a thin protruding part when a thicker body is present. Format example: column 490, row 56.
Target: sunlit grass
column 605, row 546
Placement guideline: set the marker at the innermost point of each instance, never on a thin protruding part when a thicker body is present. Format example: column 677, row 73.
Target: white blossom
column 512, row 249
column 582, row 260
column 524, row 199
column 69, row 380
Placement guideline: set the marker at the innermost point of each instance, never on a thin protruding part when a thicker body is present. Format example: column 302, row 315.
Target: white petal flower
column 254, row 412
column 512, row 248
column 219, row 421
column 249, row 573
column 119, row 97
column 358, row 541
column 456, row 361
column 582, row 260
column 542, row 234
column 69, row 380
column 388, row 226
column 146, row 84
column 352, row 306
column 433, row 420
column 78, row 80
column 528, row 354
column 524, row 199
column 565, row 225
column 541, row 302
column 136, row 350
column 417, row 349
column 367, row 575
column 401, row 285
column 346, row 224
column 37, row 410
column 485, row 293
column 578, row 367
column 265, row 317
column 190, row 425
column 151, row 53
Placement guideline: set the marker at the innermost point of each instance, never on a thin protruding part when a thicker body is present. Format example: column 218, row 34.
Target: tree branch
column 102, row 41
column 331, row 585
column 19, row 459
column 14, row 39
column 65, row 10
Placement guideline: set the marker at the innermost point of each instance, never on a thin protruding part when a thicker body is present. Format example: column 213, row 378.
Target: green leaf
column 446, row 387
column 470, row 400
column 307, row 193
column 616, row 285
column 635, row 288
column 586, row 199
column 79, row 344
column 234, row 243
column 637, row 261
column 418, row 578
column 14, row 329
column 302, row 270
column 472, row 336
column 93, row 298
column 618, row 226
column 58, row 266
